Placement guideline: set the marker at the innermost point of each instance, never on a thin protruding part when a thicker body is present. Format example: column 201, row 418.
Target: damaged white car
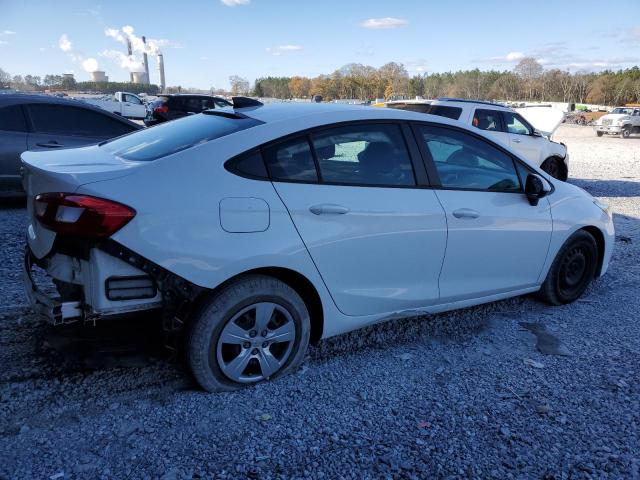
column 257, row 230
column 527, row 130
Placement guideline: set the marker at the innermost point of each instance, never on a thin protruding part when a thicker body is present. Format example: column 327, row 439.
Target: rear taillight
column 161, row 109
column 81, row 215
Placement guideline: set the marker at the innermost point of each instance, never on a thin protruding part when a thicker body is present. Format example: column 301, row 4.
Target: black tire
column 208, row 322
column 555, row 167
column 599, row 133
column 625, row 132
column 572, row 270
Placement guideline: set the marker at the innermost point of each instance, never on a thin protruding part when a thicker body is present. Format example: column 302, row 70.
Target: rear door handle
column 50, row 144
column 328, row 209
column 466, row 213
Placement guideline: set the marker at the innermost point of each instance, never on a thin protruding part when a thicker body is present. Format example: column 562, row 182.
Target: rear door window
column 364, row 155
column 291, row 160
column 445, row 111
column 487, row 120
column 69, row 120
column 12, row 119
column 172, row 137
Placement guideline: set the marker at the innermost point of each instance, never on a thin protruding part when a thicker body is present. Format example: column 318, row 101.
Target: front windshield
column 623, row 111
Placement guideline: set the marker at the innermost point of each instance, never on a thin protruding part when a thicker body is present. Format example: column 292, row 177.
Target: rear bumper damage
column 105, row 280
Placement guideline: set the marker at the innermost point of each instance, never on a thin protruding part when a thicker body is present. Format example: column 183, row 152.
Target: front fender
column 573, row 209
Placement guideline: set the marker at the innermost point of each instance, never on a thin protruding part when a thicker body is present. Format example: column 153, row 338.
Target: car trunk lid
column 64, row 171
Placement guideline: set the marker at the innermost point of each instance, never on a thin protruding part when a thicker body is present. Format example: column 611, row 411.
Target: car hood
column 544, row 119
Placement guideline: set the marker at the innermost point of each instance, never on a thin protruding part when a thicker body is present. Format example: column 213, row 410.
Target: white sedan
column 257, row 230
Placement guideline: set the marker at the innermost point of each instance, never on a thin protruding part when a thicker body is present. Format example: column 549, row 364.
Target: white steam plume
column 89, row 64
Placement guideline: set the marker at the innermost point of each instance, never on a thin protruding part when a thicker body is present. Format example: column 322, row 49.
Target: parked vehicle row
column 126, row 104
column 42, row 122
column 262, row 229
column 171, row 107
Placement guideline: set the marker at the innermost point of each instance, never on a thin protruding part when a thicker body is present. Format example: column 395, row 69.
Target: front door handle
column 515, row 140
column 50, row 144
column 328, row 209
column 466, row 213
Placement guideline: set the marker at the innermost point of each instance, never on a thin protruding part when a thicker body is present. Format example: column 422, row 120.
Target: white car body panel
column 178, row 225
column 383, row 254
column 500, row 227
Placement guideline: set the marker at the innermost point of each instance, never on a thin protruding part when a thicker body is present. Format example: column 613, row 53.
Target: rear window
column 171, row 137
column 445, row 111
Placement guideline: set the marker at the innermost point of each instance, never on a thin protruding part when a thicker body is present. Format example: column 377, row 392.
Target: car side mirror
column 535, row 188
column 536, row 133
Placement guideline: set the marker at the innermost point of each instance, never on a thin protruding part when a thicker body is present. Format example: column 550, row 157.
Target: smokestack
column 146, row 62
column 161, row 71
column 130, row 52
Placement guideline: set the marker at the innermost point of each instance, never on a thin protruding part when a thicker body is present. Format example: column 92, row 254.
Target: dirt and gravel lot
column 514, row 389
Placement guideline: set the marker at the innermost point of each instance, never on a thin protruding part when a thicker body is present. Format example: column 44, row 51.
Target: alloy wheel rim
column 256, row 342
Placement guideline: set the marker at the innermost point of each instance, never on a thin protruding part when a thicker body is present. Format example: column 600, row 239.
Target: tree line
column 527, row 81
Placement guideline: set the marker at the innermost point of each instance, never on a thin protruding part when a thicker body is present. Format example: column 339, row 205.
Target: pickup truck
column 125, row 104
column 621, row 121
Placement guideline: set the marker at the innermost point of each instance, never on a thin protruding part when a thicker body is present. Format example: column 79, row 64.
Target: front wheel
column 257, row 328
column 599, row 133
column 572, row 270
column 625, row 132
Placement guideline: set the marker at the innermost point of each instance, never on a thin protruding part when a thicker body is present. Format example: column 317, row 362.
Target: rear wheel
column 599, row 133
column 625, row 132
column 257, row 328
column 572, row 270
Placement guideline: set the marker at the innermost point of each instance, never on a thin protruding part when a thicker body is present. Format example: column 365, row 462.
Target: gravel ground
column 514, row 389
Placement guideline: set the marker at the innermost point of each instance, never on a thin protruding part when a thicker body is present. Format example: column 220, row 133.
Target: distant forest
column 527, row 81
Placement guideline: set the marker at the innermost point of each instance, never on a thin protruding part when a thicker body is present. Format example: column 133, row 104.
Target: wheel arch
column 597, row 234
column 563, row 165
column 300, row 283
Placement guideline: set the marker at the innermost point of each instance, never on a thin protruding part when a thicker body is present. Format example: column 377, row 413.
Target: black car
column 171, row 107
column 44, row 122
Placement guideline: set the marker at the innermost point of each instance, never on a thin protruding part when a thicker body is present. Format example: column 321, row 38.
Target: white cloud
column 64, row 43
column 8, row 32
column 235, row 3
column 280, row 49
column 509, row 57
column 3, row 42
column 384, row 23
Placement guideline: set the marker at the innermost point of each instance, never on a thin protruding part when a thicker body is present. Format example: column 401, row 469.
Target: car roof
column 174, row 95
column 286, row 112
column 24, row 98
column 467, row 103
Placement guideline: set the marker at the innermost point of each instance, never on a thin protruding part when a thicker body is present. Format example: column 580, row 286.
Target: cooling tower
column 99, row 76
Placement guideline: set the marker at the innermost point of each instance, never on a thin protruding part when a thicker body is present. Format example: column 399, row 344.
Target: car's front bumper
column 608, row 128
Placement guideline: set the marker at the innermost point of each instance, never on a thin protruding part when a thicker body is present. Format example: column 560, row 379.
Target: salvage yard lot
column 511, row 389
